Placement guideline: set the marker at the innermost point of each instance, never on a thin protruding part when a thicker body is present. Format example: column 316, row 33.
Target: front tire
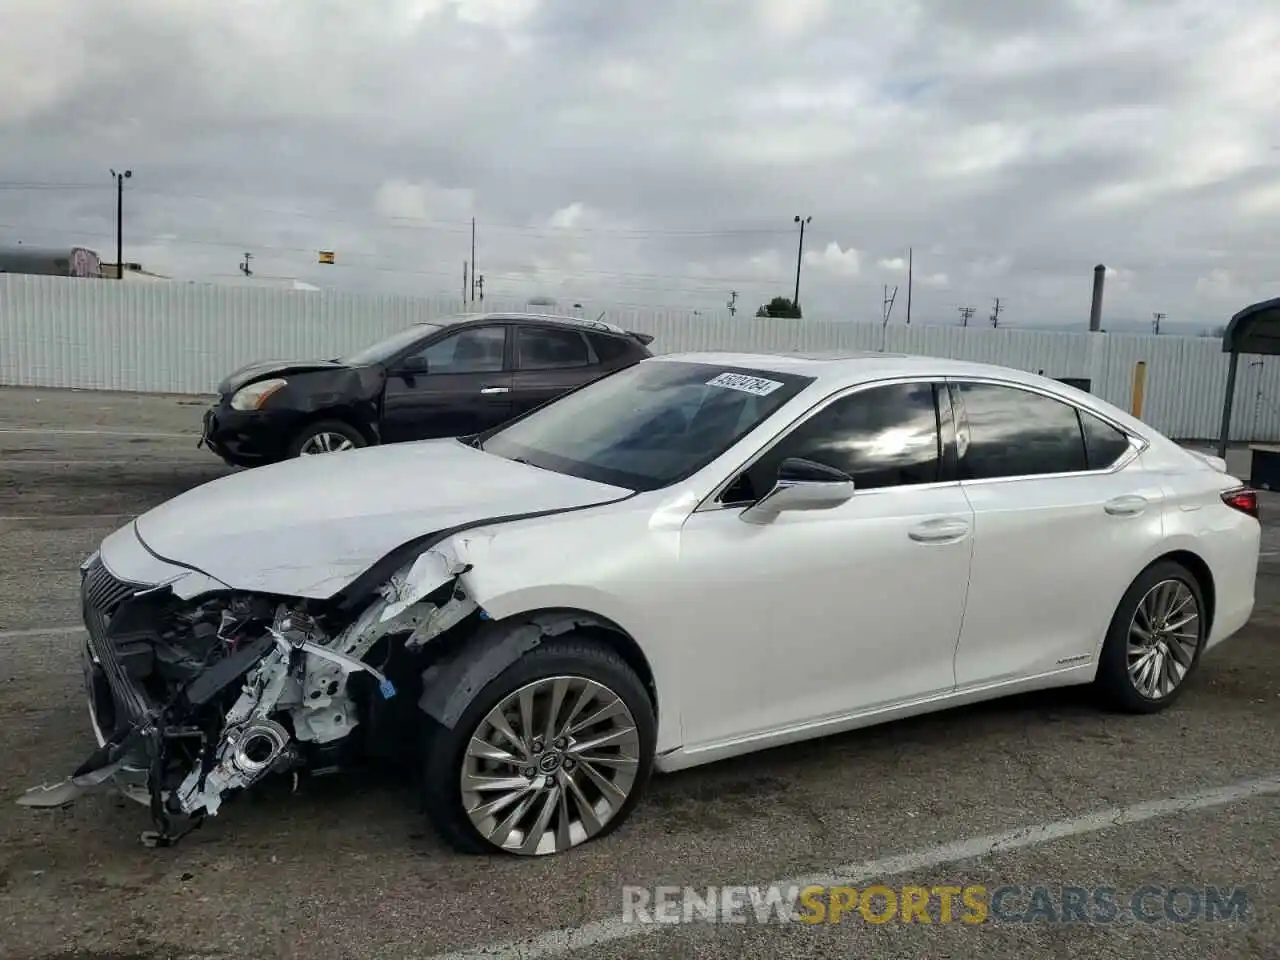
column 326, row 436
column 1155, row 640
column 552, row 753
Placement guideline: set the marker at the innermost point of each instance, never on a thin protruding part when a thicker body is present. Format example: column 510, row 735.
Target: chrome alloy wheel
column 325, row 442
column 1164, row 635
column 550, row 765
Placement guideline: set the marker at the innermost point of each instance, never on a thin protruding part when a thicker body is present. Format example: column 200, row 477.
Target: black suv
column 446, row 379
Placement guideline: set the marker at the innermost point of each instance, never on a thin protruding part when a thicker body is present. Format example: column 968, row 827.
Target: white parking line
column 556, row 943
column 58, row 517
column 58, row 432
column 39, row 632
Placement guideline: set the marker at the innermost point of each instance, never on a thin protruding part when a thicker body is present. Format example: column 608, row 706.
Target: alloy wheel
column 1164, row 636
column 550, row 765
column 326, row 442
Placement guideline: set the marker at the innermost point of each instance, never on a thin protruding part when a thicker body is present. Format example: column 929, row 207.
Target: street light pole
column 120, row 179
column 799, row 258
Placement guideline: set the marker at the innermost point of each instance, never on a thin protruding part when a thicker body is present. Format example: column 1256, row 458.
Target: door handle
column 1128, row 506
column 947, row 530
column 489, row 390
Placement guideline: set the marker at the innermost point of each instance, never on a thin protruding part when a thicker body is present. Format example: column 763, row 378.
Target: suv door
column 465, row 387
column 549, row 361
column 822, row 615
column 1064, row 518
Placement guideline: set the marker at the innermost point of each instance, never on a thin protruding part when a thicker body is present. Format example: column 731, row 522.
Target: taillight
column 1242, row 499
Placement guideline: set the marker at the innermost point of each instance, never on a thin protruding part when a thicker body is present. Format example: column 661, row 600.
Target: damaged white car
column 696, row 557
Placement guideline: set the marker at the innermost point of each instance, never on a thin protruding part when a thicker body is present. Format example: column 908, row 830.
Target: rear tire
column 1154, row 643
column 326, row 436
column 560, row 790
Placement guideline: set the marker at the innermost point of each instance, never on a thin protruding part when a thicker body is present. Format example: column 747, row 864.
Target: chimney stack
column 1095, row 313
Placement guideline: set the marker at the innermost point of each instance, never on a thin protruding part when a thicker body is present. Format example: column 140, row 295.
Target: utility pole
column 965, row 314
column 120, row 179
column 244, row 267
column 887, row 307
column 800, row 258
column 910, row 266
column 733, row 303
column 480, row 284
column 464, row 281
column 1155, row 322
column 473, row 259
column 995, row 314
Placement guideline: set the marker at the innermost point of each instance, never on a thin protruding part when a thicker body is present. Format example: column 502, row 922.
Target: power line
column 411, row 222
column 705, row 281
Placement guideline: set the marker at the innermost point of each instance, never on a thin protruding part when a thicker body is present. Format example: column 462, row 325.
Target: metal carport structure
column 1255, row 329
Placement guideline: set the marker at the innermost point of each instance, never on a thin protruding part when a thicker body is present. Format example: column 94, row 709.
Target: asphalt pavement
column 1023, row 803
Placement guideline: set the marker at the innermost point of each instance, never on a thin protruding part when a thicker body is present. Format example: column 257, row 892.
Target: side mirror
column 411, row 365
column 802, row 485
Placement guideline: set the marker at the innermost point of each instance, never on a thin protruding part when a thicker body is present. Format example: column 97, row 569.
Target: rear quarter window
column 612, row 350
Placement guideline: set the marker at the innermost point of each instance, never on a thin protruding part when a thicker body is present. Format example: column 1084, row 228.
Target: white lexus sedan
column 696, row 557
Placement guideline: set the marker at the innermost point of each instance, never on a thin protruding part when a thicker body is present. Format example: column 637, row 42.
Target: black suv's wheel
column 326, row 436
column 1155, row 640
column 553, row 752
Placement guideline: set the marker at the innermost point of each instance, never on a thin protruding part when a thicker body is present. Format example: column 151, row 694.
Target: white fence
column 183, row 338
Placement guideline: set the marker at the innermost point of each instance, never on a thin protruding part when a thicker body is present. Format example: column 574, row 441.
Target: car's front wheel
column 326, row 436
column 552, row 753
column 1155, row 640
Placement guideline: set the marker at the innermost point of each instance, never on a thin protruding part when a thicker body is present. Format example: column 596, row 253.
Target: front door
column 465, row 388
column 1064, row 518
column 549, row 361
column 823, row 614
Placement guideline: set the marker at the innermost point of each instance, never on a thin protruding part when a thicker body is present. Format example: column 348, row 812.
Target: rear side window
column 1104, row 444
column 612, row 350
column 540, row 348
column 1017, row 433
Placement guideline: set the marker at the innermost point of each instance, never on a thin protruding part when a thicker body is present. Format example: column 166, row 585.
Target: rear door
column 466, row 387
column 1064, row 518
column 549, row 361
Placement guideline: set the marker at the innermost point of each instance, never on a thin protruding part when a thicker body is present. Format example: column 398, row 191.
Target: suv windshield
column 647, row 426
column 384, row 350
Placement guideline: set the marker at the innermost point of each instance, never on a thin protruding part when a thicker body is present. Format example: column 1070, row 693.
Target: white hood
column 307, row 527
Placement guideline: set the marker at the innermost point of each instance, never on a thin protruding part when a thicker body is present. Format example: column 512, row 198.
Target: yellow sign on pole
column 326, row 256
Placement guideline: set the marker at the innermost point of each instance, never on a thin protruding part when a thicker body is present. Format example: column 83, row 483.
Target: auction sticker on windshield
column 740, row 381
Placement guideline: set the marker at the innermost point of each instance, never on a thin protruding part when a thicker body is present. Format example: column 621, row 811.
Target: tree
column 780, row 307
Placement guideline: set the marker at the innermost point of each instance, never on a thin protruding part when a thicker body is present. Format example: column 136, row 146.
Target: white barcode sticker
column 740, row 381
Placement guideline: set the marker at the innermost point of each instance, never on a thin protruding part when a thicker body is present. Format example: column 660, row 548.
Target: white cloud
column 843, row 263
column 1013, row 145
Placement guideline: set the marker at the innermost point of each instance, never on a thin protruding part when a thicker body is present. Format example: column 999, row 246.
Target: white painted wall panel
column 184, row 337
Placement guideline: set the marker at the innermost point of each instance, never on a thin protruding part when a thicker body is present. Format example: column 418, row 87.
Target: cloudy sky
column 657, row 152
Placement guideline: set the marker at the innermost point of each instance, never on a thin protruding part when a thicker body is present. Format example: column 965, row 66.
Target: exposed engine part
column 258, row 746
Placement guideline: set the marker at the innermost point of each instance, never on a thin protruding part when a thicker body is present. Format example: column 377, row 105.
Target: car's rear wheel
column 552, row 753
column 1155, row 640
column 326, row 436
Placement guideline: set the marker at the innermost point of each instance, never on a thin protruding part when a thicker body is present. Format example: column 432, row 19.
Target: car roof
column 835, row 369
column 553, row 319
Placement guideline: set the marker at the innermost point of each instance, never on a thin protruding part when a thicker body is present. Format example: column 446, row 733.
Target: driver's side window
column 882, row 437
column 477, row 350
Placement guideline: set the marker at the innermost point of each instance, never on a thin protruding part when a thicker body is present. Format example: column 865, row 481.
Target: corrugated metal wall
column 183, row 338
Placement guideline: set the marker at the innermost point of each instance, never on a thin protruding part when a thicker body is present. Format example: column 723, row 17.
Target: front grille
column 102, row 591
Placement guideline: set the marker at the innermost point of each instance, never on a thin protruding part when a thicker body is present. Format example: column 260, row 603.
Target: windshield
column 384, row 350
column 647, row 426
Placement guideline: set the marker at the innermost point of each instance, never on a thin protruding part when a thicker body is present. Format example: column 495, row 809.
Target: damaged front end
column 193, row 700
